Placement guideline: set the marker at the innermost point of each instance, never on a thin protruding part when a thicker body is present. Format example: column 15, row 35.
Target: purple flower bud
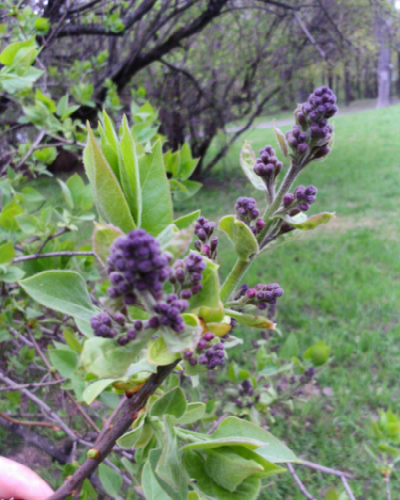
column 186, row 294
column 123, row 340
column 304, row 207
column 120, row 318
column 254, row 213
column 203, row 359
column 260, row 224
column 302, row 148
column 192, row 361
column 208, row 336
column 288, row 199
column 251, row 292
column 131, row 334
column 201, row 344
column 154, row 322
column 206, row 250
column 187, row 354
column 196, row 288
column 138, row 325
column 299, row 192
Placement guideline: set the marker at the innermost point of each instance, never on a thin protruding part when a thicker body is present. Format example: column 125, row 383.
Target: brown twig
column 51, row 237
column 123, row 421
column 32, row 148
column 388, row 494
column 28, row 423
column 326, row 470
column 299, row 483
column 53, row 254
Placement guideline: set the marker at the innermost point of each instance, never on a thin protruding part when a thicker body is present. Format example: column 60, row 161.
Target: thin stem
column 32, row 148
column 388, row 494
column 326, row 470
column 231, row 282
column 28, row 423
column 299, row 483
column 53, row 254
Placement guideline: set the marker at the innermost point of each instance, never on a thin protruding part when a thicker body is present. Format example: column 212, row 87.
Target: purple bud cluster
column 247, row 398
column 261, row 295
column 107, row 326
column 206, row 245
column 102, row 325
column 302, row 198
column 312, row 130
column 169, row 312
column 207, row 352
column 247, row 212
column 187, row 275
column 136, row 263
column 267, row 165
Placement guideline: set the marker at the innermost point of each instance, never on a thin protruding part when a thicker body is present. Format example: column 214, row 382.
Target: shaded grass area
column 341, row 284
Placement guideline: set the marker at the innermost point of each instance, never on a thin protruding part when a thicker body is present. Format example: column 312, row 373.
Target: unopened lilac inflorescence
column 207, row 352
column 261, row 296
column 300, row 200
column 136, row 263
column 268, row 164
column 247, row 212
column 206, row 244
column 187, row 275
column 312, row 134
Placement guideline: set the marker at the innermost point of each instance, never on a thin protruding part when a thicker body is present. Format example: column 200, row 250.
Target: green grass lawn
column 341, row 283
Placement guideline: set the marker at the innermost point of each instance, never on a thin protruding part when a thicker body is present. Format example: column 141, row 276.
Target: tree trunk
column 382, row 37
column 347, row 85
column 398, row 73
column 330, row 77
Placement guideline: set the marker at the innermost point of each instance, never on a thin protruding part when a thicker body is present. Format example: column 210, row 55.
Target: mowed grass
column 342, row 284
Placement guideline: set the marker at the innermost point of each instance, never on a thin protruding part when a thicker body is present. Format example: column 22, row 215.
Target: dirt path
column 356, row 107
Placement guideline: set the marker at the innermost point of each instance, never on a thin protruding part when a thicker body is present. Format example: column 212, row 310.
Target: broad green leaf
column 7, row 253
column 169, row 466
column 65, row 362
column 312, row 222
column 151, row 487
column 103, row 237
column 93, row 390
column 107, row 359
column 268, row 468
column 158, row 353
column 290, row 348
column 108, row 195
column 130, row 439
column 172, row 403
column 228, row 469
column 243, row 240
column 12, row 274
column 63, row 291
column 261, row 358
column 209, row 294
column 186, row 189
column 8, row 216
column 187, row 163
column 156, row 197
column 109, row 153
column 71, row 340
column 80, row 193
column 8, row 54
column 250, row 320
column 129, row 172
column 318, row 354
column 84, row 327
column 194, row 412
column 195, row 469
column 180, row 241
column 110, row 479
column 27, row 223
column 186, row 220
column 247, row 162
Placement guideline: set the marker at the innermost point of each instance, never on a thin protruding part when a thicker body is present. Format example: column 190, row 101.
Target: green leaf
column 103, row 237
column 318, row 354
column 228, row 469
column 280, row 137
column 172, row 403
column 80, row 193
column 247, row 162
column 71, row 340
column 129, row 172
column 63, row 291
column 108, row 195
column 130, row 439
column 194, row 412
column 12, row 274
column 290, row 348
column 151, row 487
column 7, row 253
column 268, row 468
column 156, row 197
column 209, row 294
column 65, row 362
column 8, row 54
column 67, row 195
column 185, row 340
column 187, row 163
column 186, row 189
column 195, row 469
column 93, row 390
column 84, row 327
column 107, row 359
column 158, row 353
column 250, row 320
column 312, row 222
column 110, row 479
column 42, row 25
column 169, row 467
column 241, row 236
column 331, row 494
column 27, row 223
column 261, row 358
column 186, row 220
